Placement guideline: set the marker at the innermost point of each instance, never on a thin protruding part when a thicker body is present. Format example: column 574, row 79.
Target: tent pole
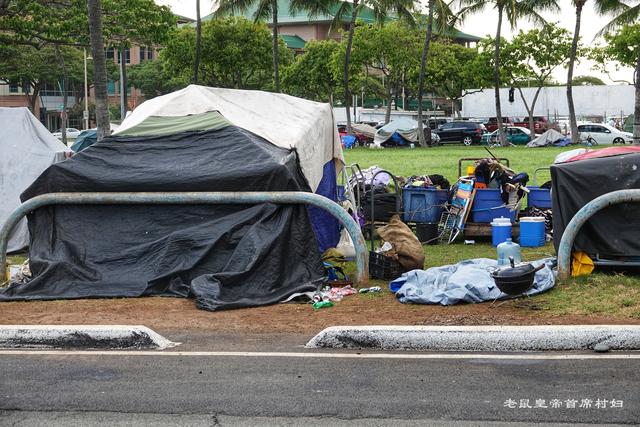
column 581, row 217
column 180, row 198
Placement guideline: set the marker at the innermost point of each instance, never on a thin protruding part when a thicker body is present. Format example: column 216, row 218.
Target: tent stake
column 181, row 198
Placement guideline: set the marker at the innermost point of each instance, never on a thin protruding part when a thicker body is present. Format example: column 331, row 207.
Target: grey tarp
column 466, row 281
column 548, row 138
column 364, row 129
column 405, row 127
column 27, row 148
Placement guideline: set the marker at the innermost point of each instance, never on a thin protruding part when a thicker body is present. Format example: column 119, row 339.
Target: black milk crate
column 383, row 267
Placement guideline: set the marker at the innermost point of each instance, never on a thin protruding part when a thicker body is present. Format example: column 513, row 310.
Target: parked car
column 466, row 132
column 540, row 123
column 492, row 123
column 72, row 133
column 435, row 122
column 604, row 134
column 515, row 135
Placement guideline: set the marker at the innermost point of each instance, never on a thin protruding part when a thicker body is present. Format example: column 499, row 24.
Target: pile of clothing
column 490, row 173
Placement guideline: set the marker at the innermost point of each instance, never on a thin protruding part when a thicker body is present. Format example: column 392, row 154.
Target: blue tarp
column 85, row 140
column 466, row 281
column 325, row 226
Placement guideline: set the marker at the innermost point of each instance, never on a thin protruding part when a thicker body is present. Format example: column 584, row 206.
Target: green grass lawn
column 598, row 294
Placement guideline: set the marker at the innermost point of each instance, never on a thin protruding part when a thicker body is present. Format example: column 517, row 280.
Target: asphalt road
column 240, row 389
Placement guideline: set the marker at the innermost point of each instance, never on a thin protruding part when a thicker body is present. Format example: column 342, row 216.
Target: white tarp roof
column 27, row 148
column 406, row 127
column 283, row 120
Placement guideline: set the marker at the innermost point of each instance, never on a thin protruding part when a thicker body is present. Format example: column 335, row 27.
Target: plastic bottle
column 322, row 304
column 508, row 249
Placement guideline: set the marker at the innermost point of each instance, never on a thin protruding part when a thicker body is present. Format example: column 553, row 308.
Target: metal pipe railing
column 581, row 217
column 178, row 198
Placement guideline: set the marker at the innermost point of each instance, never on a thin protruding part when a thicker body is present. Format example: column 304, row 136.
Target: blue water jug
column 508, row 249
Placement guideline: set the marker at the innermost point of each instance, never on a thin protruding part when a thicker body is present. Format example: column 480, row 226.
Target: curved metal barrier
column 581, row 217
column 177, row 198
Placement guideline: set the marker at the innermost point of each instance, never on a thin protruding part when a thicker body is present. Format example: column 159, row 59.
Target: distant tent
column 86, row 139
column 364, row 129
column 550, row 137
column 404, row 127
column 225, row 256
column 26, row 149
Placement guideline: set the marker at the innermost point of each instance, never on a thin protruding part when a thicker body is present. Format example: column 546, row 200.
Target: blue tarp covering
column 325, row 225
column 85, row 140
column 466, row 281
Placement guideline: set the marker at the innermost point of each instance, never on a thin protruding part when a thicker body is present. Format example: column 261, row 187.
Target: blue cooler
column 532, row 232
column 487, row 206
column 500, row 230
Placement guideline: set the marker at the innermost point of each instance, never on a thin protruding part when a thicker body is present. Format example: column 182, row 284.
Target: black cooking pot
column 515, row 280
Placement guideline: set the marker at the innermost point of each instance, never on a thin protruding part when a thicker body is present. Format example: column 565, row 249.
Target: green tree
column 587, row 81
column 623, row 49
column 440, row 9
column 266, row 9
column 391, row 51
column 236, row 53
column 454, row 70
column 311, row 75
column 512, row 11
column 152, row 78
column 381, row 8
column 532, row 57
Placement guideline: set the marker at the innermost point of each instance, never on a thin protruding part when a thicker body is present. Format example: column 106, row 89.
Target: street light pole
column 85, row 114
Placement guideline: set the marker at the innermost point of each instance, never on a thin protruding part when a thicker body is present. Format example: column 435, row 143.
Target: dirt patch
column 174, row 314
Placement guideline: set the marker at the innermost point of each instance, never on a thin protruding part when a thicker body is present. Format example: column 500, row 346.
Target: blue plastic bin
column 423, row 205
column 539, row 198
column 486, row 206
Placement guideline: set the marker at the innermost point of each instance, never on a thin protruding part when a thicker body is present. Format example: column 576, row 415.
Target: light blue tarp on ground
column 466, row 281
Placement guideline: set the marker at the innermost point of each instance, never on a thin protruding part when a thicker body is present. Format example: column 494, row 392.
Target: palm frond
column 263, row 12
column 312, row 8
column 341, row 15
column 470, row 7
column 628, row 16
column 226, row 7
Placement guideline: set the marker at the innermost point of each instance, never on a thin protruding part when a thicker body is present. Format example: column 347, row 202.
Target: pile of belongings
column 490, row 173
column 467, row 281
column 380, row 188
column 550, row 138
column 436, row 181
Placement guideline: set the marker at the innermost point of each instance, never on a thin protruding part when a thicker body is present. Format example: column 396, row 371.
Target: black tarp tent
column 225, row 256
column 613, row 233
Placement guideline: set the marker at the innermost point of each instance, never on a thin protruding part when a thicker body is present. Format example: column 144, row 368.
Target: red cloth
column 606, row 152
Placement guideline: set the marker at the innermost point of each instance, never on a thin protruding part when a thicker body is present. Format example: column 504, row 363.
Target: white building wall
column 552, row 101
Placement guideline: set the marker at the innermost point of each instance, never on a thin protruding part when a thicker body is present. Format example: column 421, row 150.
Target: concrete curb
column 82, row 336
column 480, row 338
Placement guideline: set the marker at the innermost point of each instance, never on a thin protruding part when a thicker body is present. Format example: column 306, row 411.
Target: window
column 127, row 56
column 599, row 129
column 13, row 88
column 109, row 54
column 149, row 53
column 583, row 128
column 143, row 53
column 447, row 126
column 111, row 87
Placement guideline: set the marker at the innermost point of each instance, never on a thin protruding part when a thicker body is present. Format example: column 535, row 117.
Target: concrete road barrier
column 480, row 338
column 82, row 336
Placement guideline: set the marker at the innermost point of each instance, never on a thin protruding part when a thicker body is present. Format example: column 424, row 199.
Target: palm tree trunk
column 496, row 80
column 65, row 97
column 99, row 67
column 387, row 115
column 636, row 113
column 575, row 137
column 276, row 56
column 196, row 64
column 423, row 67
column 347, row 58
column 124, row 103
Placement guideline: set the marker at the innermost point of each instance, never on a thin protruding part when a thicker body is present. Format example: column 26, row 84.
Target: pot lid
column 517, row 271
